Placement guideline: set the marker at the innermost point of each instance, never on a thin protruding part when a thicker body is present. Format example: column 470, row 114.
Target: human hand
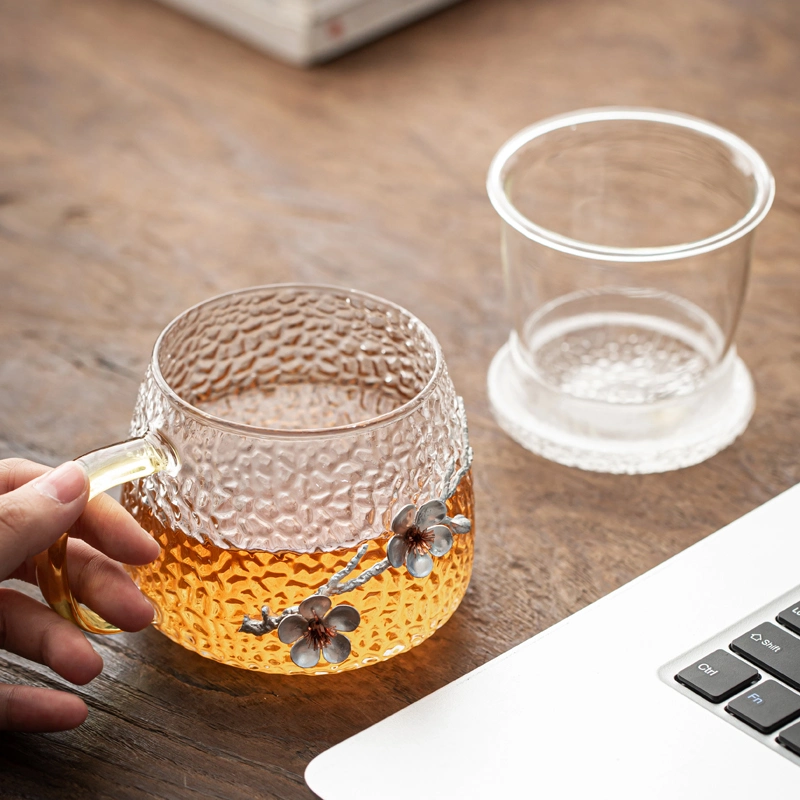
column 37, row 505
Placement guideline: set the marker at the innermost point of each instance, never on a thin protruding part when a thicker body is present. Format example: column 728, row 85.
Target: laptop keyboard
column 765, row 705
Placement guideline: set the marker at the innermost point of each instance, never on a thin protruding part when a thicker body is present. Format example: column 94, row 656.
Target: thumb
column 35, row 515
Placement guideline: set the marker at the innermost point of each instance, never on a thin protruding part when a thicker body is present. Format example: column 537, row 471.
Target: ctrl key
column 718, row 676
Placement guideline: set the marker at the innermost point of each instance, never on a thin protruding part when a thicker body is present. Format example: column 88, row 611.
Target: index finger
column 16, row 472
column 105, row 524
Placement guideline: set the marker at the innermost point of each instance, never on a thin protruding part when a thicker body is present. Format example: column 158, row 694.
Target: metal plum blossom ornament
column 316, row 627
column 419, row 536
column 422, row 534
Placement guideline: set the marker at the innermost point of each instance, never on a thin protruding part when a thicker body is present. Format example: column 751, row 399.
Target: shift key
column 772, row 649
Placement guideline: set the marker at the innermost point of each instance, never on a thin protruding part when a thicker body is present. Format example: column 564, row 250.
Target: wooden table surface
column 148, row 162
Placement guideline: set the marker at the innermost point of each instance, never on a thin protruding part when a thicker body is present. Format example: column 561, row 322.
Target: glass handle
column 107, row 467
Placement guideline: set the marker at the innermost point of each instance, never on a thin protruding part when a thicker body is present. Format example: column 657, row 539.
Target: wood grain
column 148, row 162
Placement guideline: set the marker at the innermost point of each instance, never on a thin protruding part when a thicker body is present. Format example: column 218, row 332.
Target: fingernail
column 64, row 484
column 153, row 609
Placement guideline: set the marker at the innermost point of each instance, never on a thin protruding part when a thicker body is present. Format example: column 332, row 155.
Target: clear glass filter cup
column 626, row 243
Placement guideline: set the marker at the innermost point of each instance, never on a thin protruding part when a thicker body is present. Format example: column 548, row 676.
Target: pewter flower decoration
column 316, row 626
column 422, row 534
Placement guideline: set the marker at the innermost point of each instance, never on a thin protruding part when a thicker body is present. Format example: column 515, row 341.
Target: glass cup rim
column 765, row 185
column 242, row 429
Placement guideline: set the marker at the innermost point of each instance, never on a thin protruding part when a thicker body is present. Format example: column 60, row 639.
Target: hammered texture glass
column 303, row 418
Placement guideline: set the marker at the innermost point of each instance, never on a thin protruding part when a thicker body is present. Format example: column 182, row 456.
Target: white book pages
column 307, row 31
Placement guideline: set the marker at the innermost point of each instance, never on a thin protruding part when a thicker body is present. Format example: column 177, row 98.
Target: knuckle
column 9, row 706
column 96, row 575
column 47, row 640
column 12, row 471
column 9, row 467
column 14, row 514
column 4, row 598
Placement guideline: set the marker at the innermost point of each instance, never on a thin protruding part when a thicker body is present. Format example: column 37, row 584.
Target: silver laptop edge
column 589, row 707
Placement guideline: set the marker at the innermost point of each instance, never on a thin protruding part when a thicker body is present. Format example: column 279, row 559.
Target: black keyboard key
column 790, row 738
column 772, row 649
column 766, row 707
column 718, row 676
column 790, row 617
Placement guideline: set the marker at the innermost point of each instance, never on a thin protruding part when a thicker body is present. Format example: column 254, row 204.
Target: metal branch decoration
column 420, row 534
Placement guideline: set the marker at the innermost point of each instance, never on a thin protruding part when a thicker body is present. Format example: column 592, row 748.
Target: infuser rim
column 762, row 201
column 242, row 429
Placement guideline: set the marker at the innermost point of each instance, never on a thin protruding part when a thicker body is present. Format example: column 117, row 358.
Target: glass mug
column 302, row 458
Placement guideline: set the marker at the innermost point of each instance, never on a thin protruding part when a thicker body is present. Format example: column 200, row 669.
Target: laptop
column 684, row 683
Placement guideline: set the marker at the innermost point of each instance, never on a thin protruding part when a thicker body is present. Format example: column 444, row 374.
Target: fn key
column 766, row 707
column 718, row 676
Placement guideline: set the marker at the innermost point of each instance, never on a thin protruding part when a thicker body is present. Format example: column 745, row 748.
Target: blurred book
column 305, row 32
